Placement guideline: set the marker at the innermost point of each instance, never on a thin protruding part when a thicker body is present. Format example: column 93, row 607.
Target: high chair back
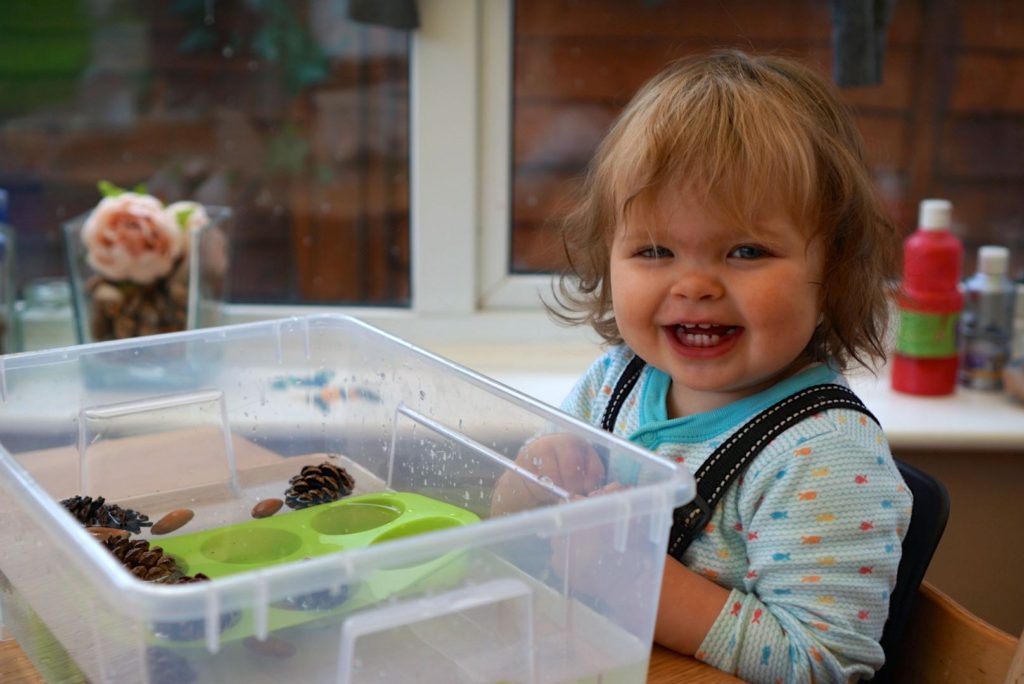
column 927, row 523
column 1016, row 673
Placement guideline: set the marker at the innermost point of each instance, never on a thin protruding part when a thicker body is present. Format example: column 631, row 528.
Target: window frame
column 460, row 192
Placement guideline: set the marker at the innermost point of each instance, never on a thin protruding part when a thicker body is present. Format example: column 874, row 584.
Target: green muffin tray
column 350, row 523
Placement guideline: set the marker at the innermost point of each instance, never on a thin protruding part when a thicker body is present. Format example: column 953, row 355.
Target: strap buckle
column 687, row 521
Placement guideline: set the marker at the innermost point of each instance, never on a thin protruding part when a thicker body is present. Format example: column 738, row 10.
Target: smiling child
column 729, row 235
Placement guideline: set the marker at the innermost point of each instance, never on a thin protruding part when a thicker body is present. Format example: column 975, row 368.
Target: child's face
column 726, row 312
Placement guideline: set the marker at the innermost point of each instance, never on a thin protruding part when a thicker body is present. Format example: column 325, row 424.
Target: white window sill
column 529, row 353
column 967, row 419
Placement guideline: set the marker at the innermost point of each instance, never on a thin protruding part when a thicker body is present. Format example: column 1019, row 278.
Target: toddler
column 729, row 235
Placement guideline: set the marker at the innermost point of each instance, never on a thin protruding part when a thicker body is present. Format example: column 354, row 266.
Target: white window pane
column 288, row 112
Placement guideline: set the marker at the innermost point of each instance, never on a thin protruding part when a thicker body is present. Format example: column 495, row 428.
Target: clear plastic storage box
column 415, row 576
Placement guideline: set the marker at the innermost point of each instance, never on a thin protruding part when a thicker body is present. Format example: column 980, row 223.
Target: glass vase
column 191, row 295
column 7, row 293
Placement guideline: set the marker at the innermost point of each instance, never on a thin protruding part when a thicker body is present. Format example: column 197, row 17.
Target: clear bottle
column 45, row 319
column 7, row 332
column 986, row 326
column 929, row 302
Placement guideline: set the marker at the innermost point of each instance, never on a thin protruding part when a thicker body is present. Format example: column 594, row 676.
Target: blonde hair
column 749, row 132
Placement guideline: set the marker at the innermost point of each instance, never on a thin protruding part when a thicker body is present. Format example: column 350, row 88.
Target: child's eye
column 654, row 252
column 748, row 252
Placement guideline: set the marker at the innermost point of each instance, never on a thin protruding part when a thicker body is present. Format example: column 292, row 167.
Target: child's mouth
column 704, row 334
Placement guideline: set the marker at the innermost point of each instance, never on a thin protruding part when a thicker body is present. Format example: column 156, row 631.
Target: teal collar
column 701, row 427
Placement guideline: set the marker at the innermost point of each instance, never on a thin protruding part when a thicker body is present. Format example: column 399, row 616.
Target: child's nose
column 697, row 284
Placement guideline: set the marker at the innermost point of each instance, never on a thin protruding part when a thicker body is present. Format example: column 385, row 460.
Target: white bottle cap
column 935, row 214
column 993, row 260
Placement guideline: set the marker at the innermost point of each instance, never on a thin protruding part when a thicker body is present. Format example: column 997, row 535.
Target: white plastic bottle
column 986, row 325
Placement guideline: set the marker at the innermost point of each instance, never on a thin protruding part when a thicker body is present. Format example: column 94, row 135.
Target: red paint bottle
column 929, row 302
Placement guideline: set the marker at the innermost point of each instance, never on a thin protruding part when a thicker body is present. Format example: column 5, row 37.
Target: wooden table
column 669, row 667
column 15, row 667
column 666, row 668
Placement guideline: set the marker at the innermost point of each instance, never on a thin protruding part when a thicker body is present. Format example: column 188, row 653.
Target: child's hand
column 566, row 461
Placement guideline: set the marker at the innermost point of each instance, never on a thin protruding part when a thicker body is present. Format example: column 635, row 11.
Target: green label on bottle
column 927, row 335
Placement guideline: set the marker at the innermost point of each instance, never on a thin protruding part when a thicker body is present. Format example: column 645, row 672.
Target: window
column 946, row 121
column 417, row 174
column 354, row 164
column 289, row 112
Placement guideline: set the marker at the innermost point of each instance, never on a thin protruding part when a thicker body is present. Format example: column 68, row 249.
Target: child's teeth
column 699, row 335
column 700, row 340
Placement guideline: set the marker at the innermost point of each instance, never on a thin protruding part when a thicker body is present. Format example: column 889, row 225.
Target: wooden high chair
column 945, row 642
column 1016, row 673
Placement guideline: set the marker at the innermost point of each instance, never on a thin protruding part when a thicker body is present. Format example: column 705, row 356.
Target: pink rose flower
column 131, row 237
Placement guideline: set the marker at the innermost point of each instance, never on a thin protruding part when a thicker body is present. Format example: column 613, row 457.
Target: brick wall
column 947, row 120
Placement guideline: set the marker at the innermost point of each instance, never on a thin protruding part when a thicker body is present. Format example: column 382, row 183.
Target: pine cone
column 145, row 562
column 318, row 484
column 188, row 579
column 317, row 600
column 97, row 513
column 151, row 564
